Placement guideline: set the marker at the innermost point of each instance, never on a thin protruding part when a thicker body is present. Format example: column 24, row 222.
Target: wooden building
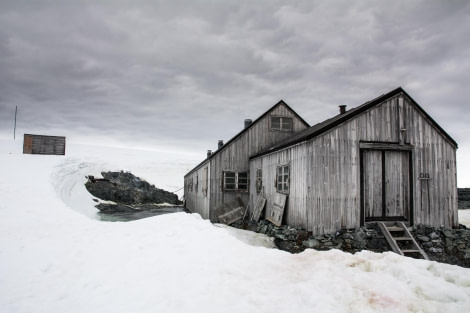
column 385, row 160
column 40, row 144
column 223, row 177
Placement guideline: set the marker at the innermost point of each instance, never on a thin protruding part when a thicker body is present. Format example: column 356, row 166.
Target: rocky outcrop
column 130, row 193
column 464, row 198
column 444, row 245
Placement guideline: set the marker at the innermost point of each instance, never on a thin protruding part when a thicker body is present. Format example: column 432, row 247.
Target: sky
column 181, row 75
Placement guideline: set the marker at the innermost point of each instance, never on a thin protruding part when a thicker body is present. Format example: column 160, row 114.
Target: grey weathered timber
column 277, row 211
column 259, row 206
column 40, row 144
column 232, row 216
column 385, row 160
column 408, row 245
column 233, row 156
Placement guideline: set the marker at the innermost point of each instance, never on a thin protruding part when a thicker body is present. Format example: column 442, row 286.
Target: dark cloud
column 186, row 73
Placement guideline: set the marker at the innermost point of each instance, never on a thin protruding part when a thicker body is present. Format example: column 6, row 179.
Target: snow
column 464, row 217
column 55, row 256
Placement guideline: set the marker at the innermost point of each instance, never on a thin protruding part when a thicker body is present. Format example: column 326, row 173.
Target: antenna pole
column 14, row 130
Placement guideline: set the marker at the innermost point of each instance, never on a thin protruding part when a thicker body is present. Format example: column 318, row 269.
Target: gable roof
column 281, row 102
column 324, row 126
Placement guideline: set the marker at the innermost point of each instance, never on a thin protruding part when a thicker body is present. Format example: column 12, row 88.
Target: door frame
column 385, row 146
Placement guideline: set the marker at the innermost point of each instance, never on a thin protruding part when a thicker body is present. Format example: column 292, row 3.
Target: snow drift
column 54, row 258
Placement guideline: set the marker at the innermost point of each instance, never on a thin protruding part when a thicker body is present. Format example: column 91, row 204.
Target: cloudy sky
column 181, row 75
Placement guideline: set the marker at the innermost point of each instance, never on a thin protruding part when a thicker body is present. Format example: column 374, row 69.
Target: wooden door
column 386, row 191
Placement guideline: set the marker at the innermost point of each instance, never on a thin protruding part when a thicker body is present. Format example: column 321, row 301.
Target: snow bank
column 55, row 259
column 464, row 217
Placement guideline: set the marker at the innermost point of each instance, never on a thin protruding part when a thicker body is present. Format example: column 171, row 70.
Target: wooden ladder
column 401, row 241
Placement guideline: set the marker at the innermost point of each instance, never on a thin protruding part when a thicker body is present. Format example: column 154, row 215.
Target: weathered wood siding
column 235, row 155
column 39, row 144
column 196, row 190
column 325, row 180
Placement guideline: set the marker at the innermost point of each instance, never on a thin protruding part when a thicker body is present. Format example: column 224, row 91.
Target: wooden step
column 395, row 228
column 403, row 238
column 392, row 240
column 410, row 251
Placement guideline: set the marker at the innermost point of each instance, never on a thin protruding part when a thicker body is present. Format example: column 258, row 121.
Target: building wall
column 39, row 144
column 197, row 190
column 235, row 156
column 325, row 180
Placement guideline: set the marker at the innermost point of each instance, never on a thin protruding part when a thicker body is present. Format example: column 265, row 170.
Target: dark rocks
column 463, row 198
column 444, row 245
column 297, row 240
column 129, row 192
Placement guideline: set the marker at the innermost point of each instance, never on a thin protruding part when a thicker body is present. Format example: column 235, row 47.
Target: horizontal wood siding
column 235, row 156
column 39, row 144
column 325, row 191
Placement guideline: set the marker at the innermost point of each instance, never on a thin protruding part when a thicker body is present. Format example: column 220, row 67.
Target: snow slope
column 54, row 258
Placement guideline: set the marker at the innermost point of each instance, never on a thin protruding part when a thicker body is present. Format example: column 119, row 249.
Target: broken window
column 281, row 123
column 236, row 181
column 259, row 180
column 282, row 179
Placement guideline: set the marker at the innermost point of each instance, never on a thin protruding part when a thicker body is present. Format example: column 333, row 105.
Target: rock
column 435, row 250
column 374, row 244
column 361, row 234
column 423, row 238
column 302, row 235
column 288, row 245
column 463, row 198
column 448, row 233
column 126, row 190
column 456, row 250
column 312, row 243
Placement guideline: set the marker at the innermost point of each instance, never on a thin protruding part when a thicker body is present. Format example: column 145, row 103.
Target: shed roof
column 281, row 102
column 328, row 124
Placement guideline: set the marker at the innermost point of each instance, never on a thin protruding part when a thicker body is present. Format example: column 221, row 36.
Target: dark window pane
column 230, row 186
column 286, row 123
column 275, row 122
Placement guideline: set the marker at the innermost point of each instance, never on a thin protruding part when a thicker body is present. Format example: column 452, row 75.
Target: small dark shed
column 40, row 144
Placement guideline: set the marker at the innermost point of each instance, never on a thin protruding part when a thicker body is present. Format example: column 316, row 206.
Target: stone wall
column 444, row 245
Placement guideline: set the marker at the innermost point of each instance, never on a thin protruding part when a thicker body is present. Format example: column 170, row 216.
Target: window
column 205, row 179
column 197, row 183
column 236, row 181
column 281, row 123
column 259, row 180
column 282, row 179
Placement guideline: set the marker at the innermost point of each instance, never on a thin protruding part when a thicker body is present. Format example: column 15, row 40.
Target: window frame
column 259, row 180
column 205, row 181
column 282, row 123
column 283, row 178
column 238, row 179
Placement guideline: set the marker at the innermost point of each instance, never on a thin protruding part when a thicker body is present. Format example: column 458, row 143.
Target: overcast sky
column 184, row 74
